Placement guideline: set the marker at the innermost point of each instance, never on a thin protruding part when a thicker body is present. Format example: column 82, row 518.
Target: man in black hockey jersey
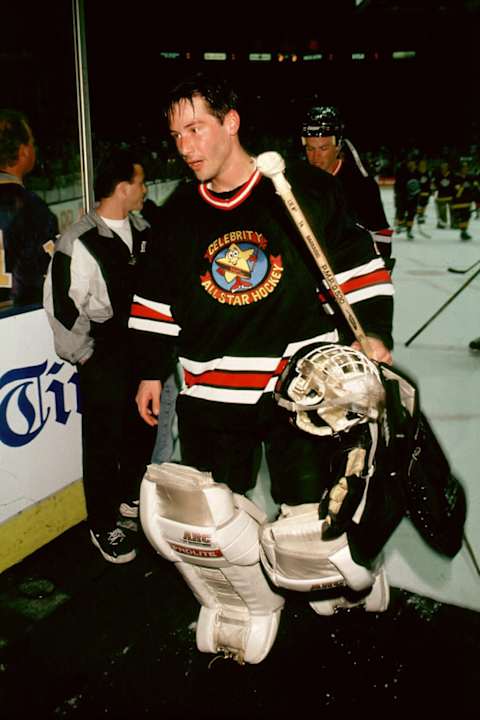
column 465, row 191
column 426, row 185
column 406, row 192
column 234, row 293
column 327, row 148
column 443, row 186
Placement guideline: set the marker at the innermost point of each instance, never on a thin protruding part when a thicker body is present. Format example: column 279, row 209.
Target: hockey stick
column 471, row 553
column 462, row 272
column 272, row 165
column 437, row 313
column 422, row 232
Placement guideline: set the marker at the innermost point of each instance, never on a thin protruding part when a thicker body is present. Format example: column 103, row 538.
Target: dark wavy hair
column 116, row 167
column 219, row 96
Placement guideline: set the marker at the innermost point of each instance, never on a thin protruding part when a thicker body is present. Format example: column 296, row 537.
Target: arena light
column 358, row 56
column 260, row 57
column 313, row 56
column 214, row 56
column 403, row 54
column 168, row 55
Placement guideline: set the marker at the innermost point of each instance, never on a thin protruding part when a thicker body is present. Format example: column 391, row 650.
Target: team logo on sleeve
column 242, row 272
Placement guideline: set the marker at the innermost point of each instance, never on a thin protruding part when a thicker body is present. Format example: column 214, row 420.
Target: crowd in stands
column 61, row 165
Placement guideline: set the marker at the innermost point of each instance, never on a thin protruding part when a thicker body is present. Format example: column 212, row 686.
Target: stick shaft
column 283, row 189
column 437, row 313
column 471, row 553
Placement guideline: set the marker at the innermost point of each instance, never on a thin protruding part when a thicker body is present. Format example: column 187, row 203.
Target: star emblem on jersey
column 242, row 272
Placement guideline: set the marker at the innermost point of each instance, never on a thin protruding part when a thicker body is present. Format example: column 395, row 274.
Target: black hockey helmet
column 329, row 388
column 323, row 121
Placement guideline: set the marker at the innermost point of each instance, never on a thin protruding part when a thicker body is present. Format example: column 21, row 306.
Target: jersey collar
column 337, row 167
column 239, row 195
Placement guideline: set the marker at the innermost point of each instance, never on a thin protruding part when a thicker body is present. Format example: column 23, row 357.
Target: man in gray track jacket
column 87, row 297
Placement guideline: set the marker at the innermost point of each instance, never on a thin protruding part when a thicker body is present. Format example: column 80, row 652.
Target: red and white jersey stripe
column 382, row 236
column 239, row 379
column 363, row 282
column 152, row 316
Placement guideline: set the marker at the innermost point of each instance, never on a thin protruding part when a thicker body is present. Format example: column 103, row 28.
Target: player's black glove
column 350, row 468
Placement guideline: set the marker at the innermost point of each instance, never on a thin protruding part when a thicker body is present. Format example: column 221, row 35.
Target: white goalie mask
column 330, row 388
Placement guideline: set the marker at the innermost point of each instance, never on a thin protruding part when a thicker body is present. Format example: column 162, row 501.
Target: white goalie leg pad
column 295, row 556
column 211, row 534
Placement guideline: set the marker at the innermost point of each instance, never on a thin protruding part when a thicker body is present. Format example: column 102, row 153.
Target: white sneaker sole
column 128, row 511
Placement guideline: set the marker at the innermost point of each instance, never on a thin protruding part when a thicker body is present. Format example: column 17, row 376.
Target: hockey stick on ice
column 272, row 165
column 462, row 272
column 422, row 232
column 472, row 555
column 437, row 313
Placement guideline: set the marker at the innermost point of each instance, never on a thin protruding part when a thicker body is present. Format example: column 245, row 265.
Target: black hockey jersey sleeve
column 154, row 351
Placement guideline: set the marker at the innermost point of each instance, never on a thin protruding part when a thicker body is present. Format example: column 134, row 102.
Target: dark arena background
column 403, row 74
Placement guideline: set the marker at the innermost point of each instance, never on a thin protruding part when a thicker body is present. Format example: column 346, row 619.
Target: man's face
column 322, row 152
column 136, row 189
column 202, row 140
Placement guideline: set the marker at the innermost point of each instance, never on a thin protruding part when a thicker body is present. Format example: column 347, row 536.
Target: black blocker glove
column 351, row 465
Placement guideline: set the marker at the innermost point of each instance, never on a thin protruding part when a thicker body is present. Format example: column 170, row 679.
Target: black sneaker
column 129, row 508
column 129, row 524
column 115, row 546
column 475, row 344
column 465, row 236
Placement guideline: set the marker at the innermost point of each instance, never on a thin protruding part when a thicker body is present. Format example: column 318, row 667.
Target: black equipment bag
column 434, row 498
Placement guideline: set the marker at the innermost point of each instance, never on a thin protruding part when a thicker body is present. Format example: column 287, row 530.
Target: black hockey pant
column 228, row 442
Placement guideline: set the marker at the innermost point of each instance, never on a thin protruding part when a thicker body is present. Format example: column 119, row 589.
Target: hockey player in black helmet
column 426, row 186
column 326, row 147
column 323, row 122
column 465, row 190
column 407, row 188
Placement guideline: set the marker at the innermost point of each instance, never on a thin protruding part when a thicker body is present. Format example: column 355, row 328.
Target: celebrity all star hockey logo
column 242, row 272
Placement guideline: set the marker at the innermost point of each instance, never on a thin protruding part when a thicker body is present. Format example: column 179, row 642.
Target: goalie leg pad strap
column 376, row 601
column 212, row 537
